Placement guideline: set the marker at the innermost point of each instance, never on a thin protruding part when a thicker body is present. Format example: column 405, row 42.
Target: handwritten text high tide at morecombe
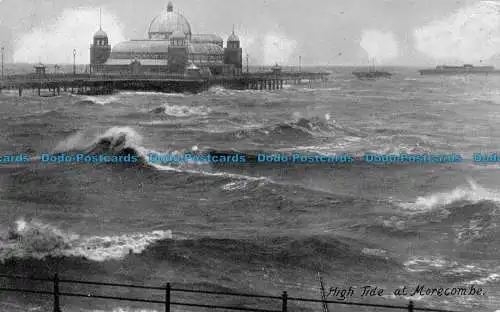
column 341, row 293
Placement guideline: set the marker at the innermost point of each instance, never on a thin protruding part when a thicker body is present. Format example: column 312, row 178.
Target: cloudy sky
column 327, row 32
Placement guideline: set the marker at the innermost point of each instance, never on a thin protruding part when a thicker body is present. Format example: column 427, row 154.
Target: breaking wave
column 181, row 110
column 472, row 194
column 35, row 239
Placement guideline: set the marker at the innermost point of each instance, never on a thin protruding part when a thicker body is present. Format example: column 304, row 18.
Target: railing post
column 285, row 298
column 167, row 298
column 410, row 306
column 57, row 307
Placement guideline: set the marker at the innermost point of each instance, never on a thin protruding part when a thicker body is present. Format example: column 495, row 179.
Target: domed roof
column 100, row 34
column 168, row 22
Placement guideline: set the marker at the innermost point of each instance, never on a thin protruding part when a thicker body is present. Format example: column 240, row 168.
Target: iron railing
column 168, row 302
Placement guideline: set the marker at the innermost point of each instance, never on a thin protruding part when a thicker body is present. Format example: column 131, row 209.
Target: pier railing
column 282, row 302
column 158, row 76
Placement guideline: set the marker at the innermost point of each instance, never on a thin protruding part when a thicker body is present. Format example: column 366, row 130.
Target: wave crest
column 181, row 110
column 472, row 194
column 35, row 239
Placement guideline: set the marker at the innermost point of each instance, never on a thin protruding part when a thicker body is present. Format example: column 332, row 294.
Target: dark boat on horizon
column 459, row 70
column 372, row 74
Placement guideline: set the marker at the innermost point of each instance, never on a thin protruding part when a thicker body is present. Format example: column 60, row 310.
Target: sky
column 321, row 32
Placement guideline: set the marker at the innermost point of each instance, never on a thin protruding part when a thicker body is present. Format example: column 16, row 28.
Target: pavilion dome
column 165, row 24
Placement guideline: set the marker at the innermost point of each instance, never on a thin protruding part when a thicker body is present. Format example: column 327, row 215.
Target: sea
column 252, row 226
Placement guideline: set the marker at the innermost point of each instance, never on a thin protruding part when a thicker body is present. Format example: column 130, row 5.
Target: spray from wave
column 380, row 46
column 93, row 100
column 278, row 48
column 474, row 193
column 73, row 29
column 126, row 141
column 181, row 110
column 35, row 239
column 472, row 34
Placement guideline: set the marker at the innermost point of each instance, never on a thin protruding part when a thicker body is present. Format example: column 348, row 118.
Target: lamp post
column 74, row 63
column 247, row 63
column 300, row 62
column 3, row 50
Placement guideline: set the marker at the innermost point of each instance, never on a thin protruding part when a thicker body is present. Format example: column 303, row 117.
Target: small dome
column 168, row 22
column 233, row 38
column 100, row 34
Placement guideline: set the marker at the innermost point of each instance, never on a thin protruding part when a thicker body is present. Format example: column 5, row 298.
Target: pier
column 54, row 84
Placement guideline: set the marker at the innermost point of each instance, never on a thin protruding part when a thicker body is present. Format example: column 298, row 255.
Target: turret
column 100, row 50
column 233, row 54
column 233, row 42
column 177, row 52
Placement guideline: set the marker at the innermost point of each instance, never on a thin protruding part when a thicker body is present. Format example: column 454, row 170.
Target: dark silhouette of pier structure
column 93, row 84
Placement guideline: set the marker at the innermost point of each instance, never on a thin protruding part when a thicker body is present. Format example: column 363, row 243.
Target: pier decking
column 170, row 83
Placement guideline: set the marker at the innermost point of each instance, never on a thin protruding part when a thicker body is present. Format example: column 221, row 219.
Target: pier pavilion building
column 171, row 47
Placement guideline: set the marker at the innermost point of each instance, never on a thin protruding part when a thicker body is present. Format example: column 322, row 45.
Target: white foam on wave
column 85, row 138
column 491, row 278
column 454, row 269
column 134, row 139
column 375, row 252
column 206, row 173
column 185, row 111
column 236, row 185
column 423, row 264
column 128, row 93
column 473, row 193
column 35, row 239
column 101, row 99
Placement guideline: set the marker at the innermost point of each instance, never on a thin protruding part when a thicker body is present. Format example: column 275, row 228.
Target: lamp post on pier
column 74, row 62
column 3, row 50
column 247, row 63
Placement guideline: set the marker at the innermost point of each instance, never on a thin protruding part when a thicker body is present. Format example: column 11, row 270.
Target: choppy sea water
column 254, row 227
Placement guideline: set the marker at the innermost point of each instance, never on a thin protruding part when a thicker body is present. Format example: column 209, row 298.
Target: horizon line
column 258, row 65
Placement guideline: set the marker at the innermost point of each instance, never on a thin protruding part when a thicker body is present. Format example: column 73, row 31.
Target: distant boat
column 459, row 70
column 372, row 73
